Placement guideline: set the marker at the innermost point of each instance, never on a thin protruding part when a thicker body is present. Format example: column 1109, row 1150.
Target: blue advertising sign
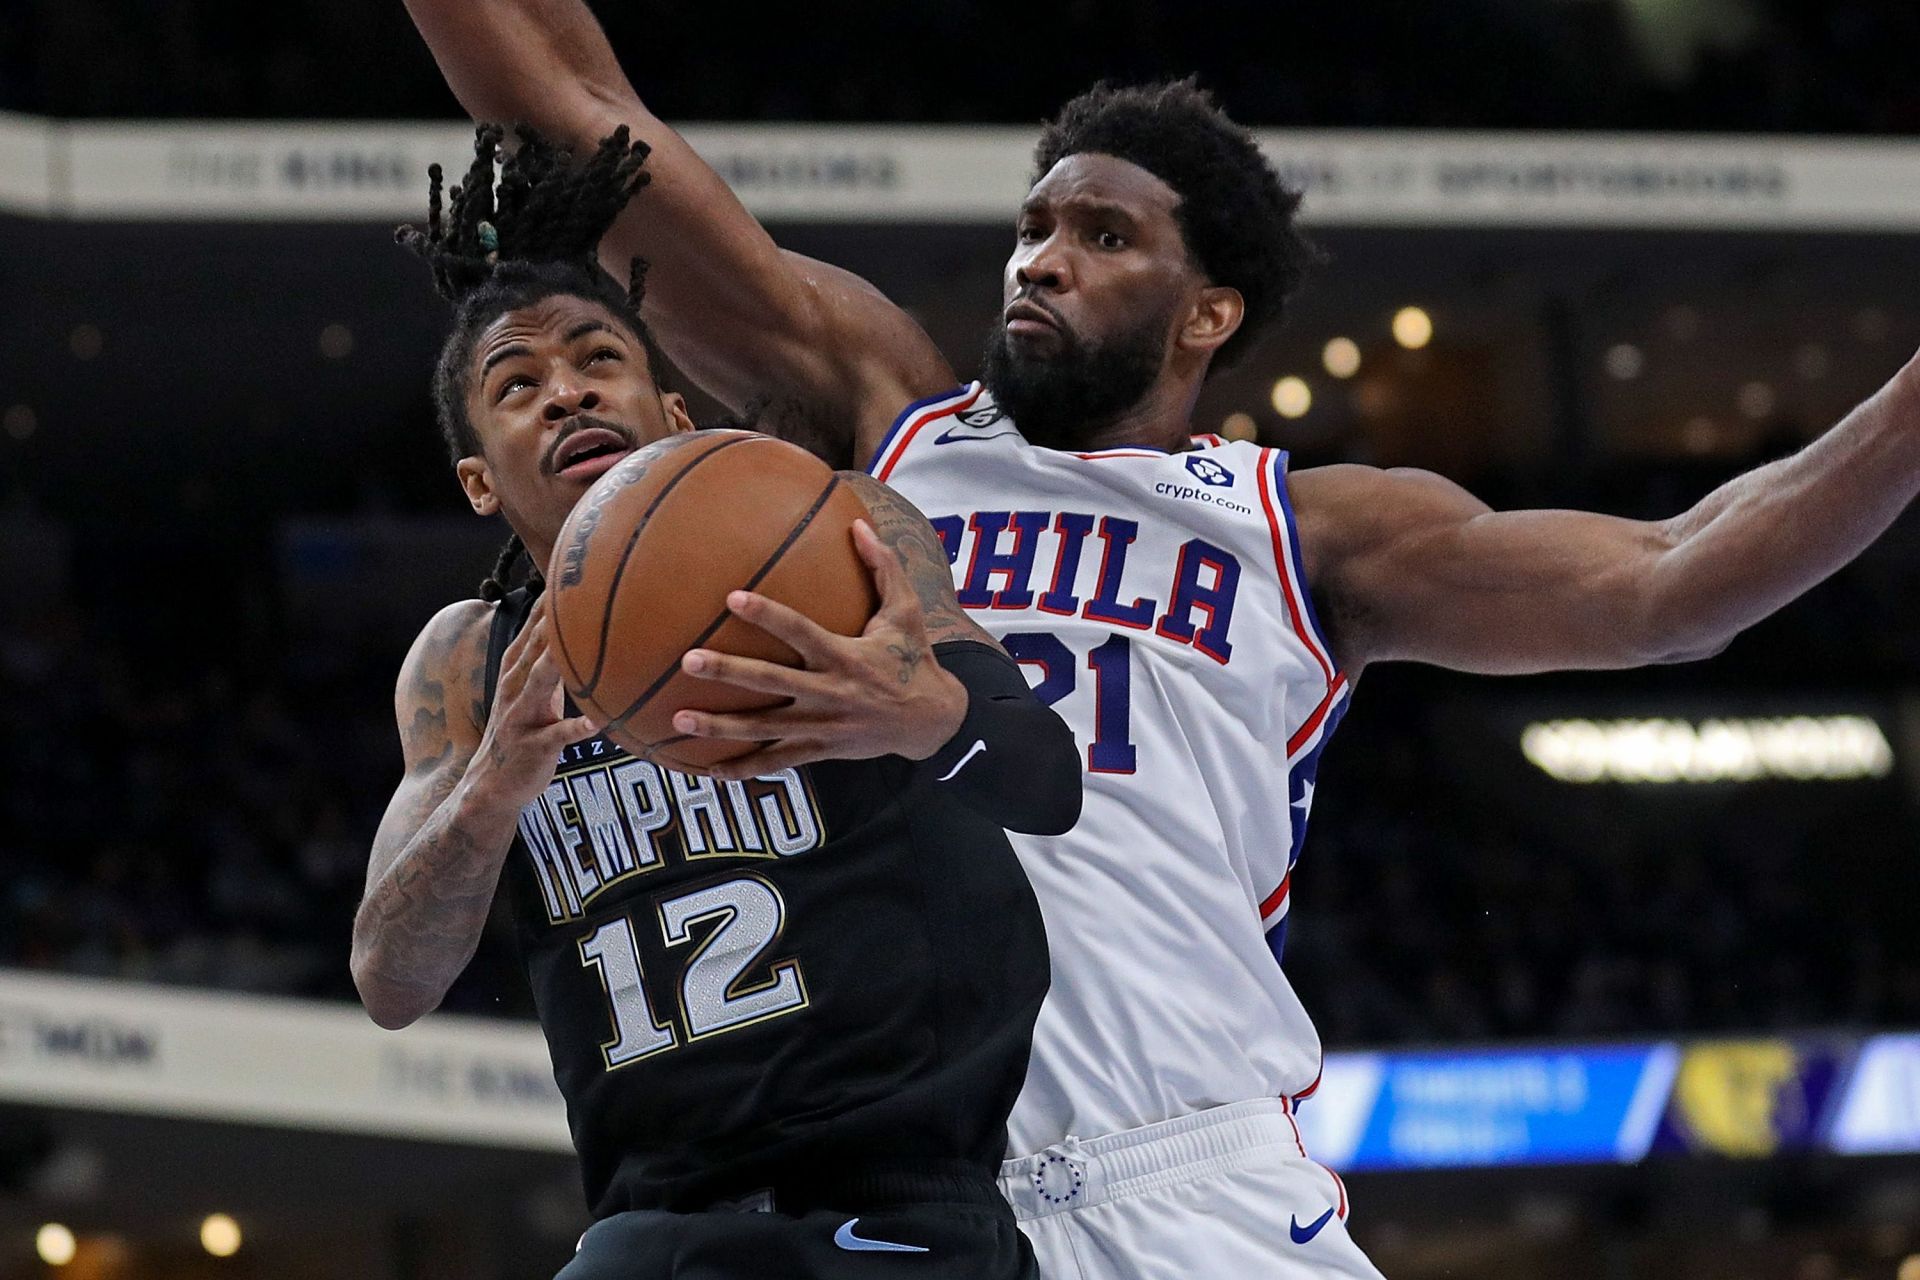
column 1526, row 1107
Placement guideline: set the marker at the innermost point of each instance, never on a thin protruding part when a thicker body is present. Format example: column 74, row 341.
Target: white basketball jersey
column 1157, row 602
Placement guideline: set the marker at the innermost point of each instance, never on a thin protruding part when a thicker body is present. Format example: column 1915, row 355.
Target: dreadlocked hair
column 496, row 246
column 497, row 584
column 1235, row 213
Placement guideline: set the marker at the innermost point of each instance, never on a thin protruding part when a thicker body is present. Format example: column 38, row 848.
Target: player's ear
column 477, row 480
column 675, row 405
column 1216, row 316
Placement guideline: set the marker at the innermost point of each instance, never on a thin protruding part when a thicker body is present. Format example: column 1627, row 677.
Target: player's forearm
column 1012, row 759
column 532, row 62
column 421, row 920
column 1764, row 538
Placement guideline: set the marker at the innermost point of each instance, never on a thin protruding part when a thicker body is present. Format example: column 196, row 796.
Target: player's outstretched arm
column 1413, row 567
column 742, row 318
column 923, row 682
column 438, row 854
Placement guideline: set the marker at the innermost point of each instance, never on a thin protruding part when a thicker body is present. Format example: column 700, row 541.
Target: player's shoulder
column 1344, row 508
column 448, row 659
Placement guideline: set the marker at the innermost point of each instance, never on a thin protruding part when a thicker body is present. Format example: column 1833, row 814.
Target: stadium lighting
column 1795, row 748
column 1239, row 426
column 1412, row 328
column 55, row 1244
column 19, row 421
column 1756, row 400
column 1292, row 397
column 220, row 1235
column 336, row 342
column 1625, row 361
column 1341, row 357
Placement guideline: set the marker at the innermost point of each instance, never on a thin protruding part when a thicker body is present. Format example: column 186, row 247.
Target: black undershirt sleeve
column 1012, row 760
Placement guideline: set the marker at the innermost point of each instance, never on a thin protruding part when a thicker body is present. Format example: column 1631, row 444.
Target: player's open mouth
column 589, row 453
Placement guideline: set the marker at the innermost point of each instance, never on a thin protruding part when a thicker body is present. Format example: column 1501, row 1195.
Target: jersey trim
column 1309, row 732
column 911, row 419
column 1287, row 562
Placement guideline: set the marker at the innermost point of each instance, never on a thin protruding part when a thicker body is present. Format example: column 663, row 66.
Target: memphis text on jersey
column 608, row 819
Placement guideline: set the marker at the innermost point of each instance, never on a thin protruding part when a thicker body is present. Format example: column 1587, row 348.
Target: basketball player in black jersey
column 789, row 1012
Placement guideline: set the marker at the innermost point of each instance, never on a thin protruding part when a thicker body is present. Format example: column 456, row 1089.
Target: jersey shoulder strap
column 960, row 401
column 509, row 615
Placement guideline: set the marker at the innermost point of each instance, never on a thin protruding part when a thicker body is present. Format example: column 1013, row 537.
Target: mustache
column 1033, row 299
column 586, row 422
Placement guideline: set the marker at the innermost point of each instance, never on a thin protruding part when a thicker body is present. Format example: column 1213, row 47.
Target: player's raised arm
column 438, row 854
column 743, row 318
column 1413, row 567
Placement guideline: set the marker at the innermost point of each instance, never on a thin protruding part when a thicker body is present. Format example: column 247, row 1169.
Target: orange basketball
column 642, row 568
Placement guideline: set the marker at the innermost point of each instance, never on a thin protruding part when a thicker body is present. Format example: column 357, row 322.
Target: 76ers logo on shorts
column 1207, row 471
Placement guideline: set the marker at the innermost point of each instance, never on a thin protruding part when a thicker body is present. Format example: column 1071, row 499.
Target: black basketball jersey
column 747, row 985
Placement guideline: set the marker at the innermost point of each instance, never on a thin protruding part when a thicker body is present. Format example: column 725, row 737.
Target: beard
column 1062, row 400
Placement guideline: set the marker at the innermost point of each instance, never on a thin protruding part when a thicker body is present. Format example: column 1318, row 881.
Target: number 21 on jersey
column 1111, row 662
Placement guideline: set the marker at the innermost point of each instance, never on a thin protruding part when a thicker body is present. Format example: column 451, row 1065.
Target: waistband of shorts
column 1079, row 1172
column 875, row 1185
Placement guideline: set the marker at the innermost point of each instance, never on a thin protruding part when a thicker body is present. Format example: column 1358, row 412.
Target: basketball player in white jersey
column 1194, row 610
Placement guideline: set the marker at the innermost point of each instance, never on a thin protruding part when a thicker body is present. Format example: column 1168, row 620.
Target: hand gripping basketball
column 529, row 725
column 875, row 694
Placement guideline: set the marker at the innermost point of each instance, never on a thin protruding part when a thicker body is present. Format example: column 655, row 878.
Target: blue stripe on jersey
column 1303, row 774
column 1277, row 937
column 908, row 412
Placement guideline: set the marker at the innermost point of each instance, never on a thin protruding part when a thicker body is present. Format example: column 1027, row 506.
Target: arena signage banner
column 112, row 1046
column 977, row 174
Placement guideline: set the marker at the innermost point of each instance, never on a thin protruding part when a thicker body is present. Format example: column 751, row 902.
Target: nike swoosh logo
column 852, row 1243
column 948, row 436
column 979, row 745
column 1303, row 1234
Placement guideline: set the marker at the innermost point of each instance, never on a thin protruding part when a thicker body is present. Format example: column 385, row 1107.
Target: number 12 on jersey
column 1111, row 662
column 747, row 915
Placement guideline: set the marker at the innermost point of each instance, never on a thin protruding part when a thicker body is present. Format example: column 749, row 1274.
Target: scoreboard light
column 1794, row 748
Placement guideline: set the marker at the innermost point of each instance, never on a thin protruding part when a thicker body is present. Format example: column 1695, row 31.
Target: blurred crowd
column 1793, row 65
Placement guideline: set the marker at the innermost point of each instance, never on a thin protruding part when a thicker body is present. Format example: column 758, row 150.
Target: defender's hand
column 529, row 725
column 879, row 693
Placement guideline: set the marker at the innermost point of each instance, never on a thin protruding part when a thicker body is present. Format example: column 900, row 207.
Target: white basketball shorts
column 1225, row 1193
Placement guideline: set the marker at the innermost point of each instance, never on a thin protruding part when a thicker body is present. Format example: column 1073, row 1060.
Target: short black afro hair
column 1235, row 213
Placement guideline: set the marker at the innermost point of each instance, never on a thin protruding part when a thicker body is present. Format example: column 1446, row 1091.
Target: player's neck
column 1163, row 419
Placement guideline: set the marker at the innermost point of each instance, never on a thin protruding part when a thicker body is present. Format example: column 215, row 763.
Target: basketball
column 642, row 568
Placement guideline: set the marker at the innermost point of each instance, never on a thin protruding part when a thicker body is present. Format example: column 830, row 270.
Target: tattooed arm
column 923, row 681
column 438, row 854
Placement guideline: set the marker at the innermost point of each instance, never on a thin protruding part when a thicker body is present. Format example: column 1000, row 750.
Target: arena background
column 1620, row 974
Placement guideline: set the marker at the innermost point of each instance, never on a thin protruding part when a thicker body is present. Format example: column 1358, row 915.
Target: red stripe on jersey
column 931, row 413
column 1275, row 898
column 1341, row 1212
column 1286, row 1108
column 1102, row 455
column 1283, row 563
column 1305, row 731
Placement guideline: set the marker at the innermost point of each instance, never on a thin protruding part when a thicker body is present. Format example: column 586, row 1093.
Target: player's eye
column 603, row 353
column 1111, row 240
column 511, row 385
column 1029, row 233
